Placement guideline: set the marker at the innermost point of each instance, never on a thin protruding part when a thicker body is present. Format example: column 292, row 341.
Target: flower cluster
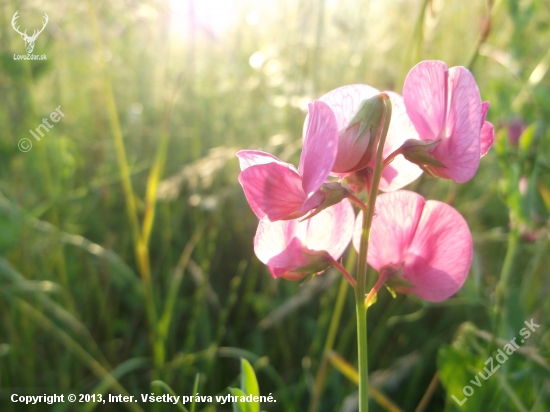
column 306, row 218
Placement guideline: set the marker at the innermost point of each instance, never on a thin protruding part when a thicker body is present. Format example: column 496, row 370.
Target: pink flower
column 515, row 127
column 292, row 249
column 418, row 246
column 445, row 106
column 276, row 190
column 354, row 158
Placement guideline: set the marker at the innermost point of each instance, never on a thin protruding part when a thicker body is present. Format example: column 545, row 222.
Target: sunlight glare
column 214, row 16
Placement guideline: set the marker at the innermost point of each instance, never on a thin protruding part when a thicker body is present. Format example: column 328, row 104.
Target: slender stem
column 140, row 248
column 392, row 156
column 502, row 286
column 360, row 289
column 424, row 402
column 357, row 201
column 344, row 272
column 375, row 289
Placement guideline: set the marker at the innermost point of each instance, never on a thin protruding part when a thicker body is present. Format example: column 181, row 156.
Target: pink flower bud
column 356, row 156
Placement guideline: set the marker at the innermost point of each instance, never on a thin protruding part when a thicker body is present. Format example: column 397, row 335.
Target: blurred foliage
column 73, row 304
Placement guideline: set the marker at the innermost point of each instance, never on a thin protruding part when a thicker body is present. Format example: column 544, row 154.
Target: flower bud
column 419, row 153
column 328, row 195
column 363, row 129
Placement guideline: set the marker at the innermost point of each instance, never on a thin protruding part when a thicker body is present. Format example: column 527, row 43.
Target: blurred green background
column 126, row 241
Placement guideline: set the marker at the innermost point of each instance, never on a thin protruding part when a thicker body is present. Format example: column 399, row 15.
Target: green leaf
column 457, row 368
column 526, row 140
column 195, row 390
column 239, row 406
column 249, row 383
column 168, row 389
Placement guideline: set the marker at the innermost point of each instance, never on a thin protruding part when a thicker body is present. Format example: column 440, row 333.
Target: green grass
column 126, row 241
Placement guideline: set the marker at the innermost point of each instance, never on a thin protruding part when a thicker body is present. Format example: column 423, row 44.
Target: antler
column 35, row 33
column 13, row 21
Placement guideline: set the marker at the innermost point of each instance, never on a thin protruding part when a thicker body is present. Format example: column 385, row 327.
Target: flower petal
column 320, row 147
column 400, row 172
column 344, row 102
column 487, row 135
column 277, row 246
column 331, row 230
column 249, row 158
column 281, row 245
column 459, row 149
column 486, row 138
column 273, row 190
column 393, row 227
column 440, row 255
column 424, row 92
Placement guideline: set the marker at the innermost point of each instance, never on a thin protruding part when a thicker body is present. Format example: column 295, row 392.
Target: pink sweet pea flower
column 445, row 106
column 291, row 249
column 418, row 246
column 276, row 190
column 354, row 159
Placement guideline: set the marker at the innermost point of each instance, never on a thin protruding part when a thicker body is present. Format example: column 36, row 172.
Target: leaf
column 456, row 369
column 249, row 384
column 526, row 141
column 239, row 406
column 167, row 389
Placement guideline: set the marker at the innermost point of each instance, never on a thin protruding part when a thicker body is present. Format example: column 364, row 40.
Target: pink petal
column 320, row 146
column 400, row 172
column 487, row 135
column 280, row 244
column 401, row 128
column 393, row 227
column 249, row 158
column 425, row 94
column 459, row 148
column 331, row 230
column 345, row 102
column 484, row 110
column 277, row 246
column 440, row 255
column 486, row 138
column 314, row 200
column 273, row 190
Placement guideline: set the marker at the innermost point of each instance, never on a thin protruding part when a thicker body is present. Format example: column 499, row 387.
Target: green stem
column 140, row 247
column 376, row 288
column 344, row 272
column 361, row 287
column 331, row 337
column 357, row 202
column 502, row 286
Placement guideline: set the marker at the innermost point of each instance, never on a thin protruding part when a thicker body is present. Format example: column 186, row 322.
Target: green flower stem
column 360, row 289
column 357, row 202
column 375, row 289
column 344, row 272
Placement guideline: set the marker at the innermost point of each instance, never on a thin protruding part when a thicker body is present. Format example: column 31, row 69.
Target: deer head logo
column 29, row 40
